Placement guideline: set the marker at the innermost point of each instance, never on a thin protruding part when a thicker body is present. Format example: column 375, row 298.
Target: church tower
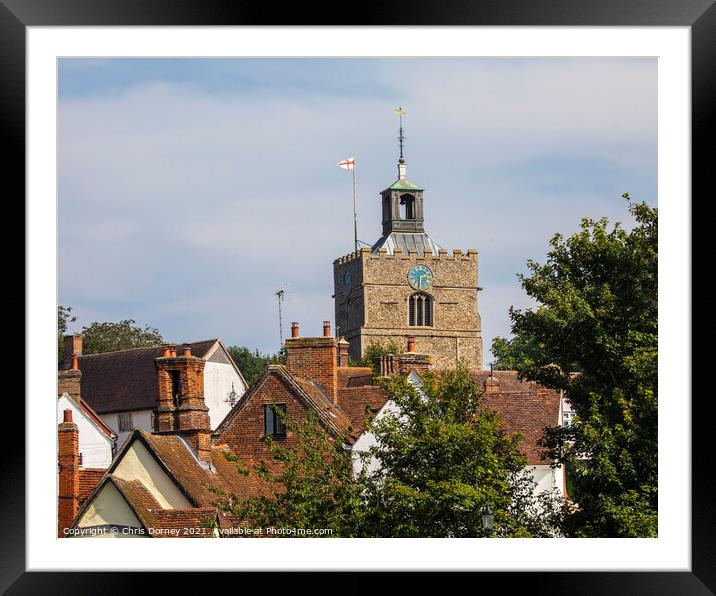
column 407, row 285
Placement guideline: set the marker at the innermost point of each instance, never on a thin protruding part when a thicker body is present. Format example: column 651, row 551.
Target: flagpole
column 355, row 214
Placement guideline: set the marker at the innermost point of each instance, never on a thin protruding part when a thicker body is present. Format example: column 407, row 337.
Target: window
column 125, row 423
column 274, row 420
column 567, row 419
column 407, row 207
column 420, row 310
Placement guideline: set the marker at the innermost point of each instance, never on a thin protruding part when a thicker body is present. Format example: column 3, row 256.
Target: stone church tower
column 407, row 285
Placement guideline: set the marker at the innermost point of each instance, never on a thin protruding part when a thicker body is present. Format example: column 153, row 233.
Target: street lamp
column 488, row 519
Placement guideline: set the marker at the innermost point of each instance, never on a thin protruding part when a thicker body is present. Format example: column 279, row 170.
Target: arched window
column 407, row 207
column 420, row 310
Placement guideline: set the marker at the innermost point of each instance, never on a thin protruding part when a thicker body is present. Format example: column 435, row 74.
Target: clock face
column 420, row 277
column 348, row 282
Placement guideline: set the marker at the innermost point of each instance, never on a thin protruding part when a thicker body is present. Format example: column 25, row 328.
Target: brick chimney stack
column 343, row 347
column 73, row 345
column 412, row 361
column 314, row 359
column 180, row 408
column 68, row 501
column 69, row 381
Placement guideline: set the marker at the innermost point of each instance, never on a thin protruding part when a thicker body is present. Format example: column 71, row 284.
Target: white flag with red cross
column 347, row 164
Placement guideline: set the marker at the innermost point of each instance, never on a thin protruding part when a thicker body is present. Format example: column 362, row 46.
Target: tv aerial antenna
column 281, row 295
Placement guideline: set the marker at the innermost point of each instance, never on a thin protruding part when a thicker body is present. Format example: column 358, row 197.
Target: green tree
column 252, row 363
column 594, row 335
column 513, row 354
column 64, row 317
column 311, row 487
column 376, row 348
column 124, row 335
column 441, row 458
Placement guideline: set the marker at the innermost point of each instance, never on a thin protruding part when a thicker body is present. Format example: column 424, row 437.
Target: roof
column 89, row 479
column 201, row 486
column 407, row 241
column 524, row 407
column 126, row 380
column 346, row 418
column 195, row 480
column 96, row 419
column 404, row 184
column 153, row 517
column 358, row 396
column 91, row 415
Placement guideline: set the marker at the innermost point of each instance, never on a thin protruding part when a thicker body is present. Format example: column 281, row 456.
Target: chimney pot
column 75, row 364
column 294, row 329
column 67, row 416
column 187, row 351
column 411, row 343
column 167, row 352
column 326, row 329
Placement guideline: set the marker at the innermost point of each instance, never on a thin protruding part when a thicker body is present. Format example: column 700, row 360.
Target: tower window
column 407, row 207
column 420, row 310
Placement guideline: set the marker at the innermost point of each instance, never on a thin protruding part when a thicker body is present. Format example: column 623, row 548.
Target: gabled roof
column 524, row 407
column 92, row 416
column 89, row 479
column 125, row 380
column 344, row 419
column 153, row 517
column 202, row 487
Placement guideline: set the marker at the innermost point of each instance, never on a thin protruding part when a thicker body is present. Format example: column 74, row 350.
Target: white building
column 96, row 440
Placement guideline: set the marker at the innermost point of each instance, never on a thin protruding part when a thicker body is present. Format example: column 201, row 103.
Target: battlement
column 351, row 256
column 457, row 254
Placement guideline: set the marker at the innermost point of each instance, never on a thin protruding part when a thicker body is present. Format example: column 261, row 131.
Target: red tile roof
column 197, row 482
column 345, row 418
column 524, row 407
column 125, row 380
column 89, row 478
column 203, row 487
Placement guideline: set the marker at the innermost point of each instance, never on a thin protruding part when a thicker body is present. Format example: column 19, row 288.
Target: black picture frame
column 699, row 15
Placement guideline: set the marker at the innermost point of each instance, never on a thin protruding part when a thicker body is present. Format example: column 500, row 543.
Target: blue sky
column 190, row 190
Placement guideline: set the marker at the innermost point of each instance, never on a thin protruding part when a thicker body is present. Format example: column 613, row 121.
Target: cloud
column 187, row 203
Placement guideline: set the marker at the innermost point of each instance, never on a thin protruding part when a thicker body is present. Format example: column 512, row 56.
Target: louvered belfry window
column 420, row 310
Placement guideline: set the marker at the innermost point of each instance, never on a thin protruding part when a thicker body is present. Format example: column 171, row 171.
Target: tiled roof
column 89, row 478
column 125, row 380
column 194, row 479
column 202, row 487
column 354, row 391
column 354, row 376
column 524, row 407
column 153, row 516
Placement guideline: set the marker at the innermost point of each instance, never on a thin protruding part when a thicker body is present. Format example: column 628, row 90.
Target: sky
column 190, row 190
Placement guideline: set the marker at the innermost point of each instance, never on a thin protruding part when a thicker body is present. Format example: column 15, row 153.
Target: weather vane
column 401, row 112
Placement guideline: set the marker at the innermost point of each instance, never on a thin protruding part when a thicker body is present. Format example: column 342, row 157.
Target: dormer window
column 407, row 207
